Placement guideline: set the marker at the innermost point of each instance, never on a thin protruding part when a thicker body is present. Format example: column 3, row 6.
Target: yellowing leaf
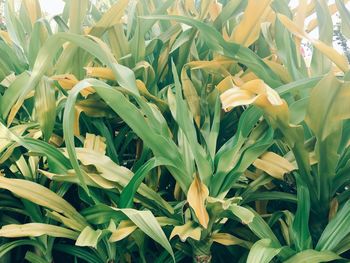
column 5, row 36
column 301, row 13
column 89, row 237
column 33, row 9
column 225, row 84
column 254, row 91
column 328, row 51
column 111, row 17
column 247, row 76
column 42, row 196
column 191, row 96
column 187, row 230
column 35, row 230
column 325, row 117
column 196, row 197
column 95, row 143
column 68, row 81
column 274, row 165
column 125, row 228
column 230, row 240
column 280, row 70
column 100, row 72
column 248, row 30
column 214, row 10
column 144, row 91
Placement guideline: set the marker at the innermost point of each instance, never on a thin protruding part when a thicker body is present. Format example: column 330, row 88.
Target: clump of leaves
column 169, row 131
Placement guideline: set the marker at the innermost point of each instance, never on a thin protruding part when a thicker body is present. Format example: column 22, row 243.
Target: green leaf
column 345, row 18
column 326, row 123
column 45, row 105
column 336, row 230
column 12, row 93
column 40, row 33
column 57, row 160
column 263, row 251
column 120, row 175
column 216, row 43
column 77, row 14
column 8, row 246
column 301, row 232
column 34, row 258
column 86, row 254
column 326, row 118
column 160, row 145
column 261, row 229
column 40, row 195
column 127, row 195
column 313, row 256
column 94, row 46
column 320, row 64
column 149, row 225
column 180, row 112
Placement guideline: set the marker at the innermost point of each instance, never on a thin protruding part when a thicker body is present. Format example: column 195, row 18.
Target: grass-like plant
column 171, row 131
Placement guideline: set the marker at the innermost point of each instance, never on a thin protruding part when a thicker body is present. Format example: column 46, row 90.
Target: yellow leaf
column 77, row 113
column 187, row 230
column 248, row 76
column 280, row 70
column 36, row 230
column 235, row 97
column 311, row 25
column 252, row 92
column 230, row 240
column 110, row 18
column 196, row 197
column 225, row 84
column 144, row 91
column 56, row 140
column 125, row 228
column 214, row 10
column 100, row 72
column 33, row 9
column 68, row 81
column 274, row 165
column 248, row 30
column 328, row 51
column 95, row 143
column 5, row 36
column 301, row 13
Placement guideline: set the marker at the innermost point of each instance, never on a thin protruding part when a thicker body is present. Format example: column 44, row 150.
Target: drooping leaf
column 248, row 29
column 35, row 230
column 196, row 197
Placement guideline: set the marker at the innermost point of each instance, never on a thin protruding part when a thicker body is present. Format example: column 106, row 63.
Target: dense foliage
column 172, row 131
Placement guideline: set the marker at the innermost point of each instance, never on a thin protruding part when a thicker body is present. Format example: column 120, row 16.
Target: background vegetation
column 174, row 131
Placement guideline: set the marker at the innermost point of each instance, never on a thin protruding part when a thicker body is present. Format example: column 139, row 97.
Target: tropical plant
column 169, row 131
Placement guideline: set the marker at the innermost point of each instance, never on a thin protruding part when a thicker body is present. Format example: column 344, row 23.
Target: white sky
column 52, row 7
